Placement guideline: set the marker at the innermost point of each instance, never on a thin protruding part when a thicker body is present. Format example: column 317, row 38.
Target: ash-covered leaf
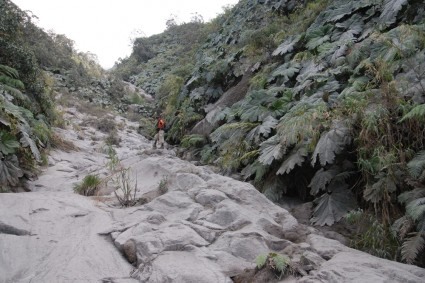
column 331, row 143
column 332, row 206
column 8, row 143
column 288, row 45
column 391, row 8
column 287, row 70
column 271, row 150
column 263, row 129
column 321, row 179
column 10, row 172
column 296, row 157
column 26, row 141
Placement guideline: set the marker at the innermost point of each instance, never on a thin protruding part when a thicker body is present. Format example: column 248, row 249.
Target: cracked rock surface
column 200, row 227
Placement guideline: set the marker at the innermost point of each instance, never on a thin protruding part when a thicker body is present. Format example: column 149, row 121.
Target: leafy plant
column 372, row 236
column 163, row 185
column 279, row 264
column 124, row 190
column 10, row 172
column 125, row 193
column 8, row 143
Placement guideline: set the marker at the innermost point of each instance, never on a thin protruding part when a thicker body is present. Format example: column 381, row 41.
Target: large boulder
column 210, row 228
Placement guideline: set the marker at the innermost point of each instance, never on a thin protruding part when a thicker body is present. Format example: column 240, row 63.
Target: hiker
column 159, row 137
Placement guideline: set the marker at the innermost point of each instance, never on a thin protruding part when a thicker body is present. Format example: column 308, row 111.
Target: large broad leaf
column 263, row 129
column 254, row 113
column 8, row 143
column 256, row 168
column 271, row 150
column 331, row 143
column 331, row 207
column 10, row 171
column 321, row 179
column 310, row 69
column 317, row 36
column 287, row 46
column 342, row 9
column 296, row 157
column 287, row 70
column 390, row 11
column 26, row 141
column 4, row 120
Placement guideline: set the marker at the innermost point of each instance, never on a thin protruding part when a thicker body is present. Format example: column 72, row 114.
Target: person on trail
column 159, row 137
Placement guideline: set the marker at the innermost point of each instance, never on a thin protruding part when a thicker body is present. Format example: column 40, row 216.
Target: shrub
column 125, row 193
column 163, row 185
column 372, row 236
column 88, row 186
column 106, row 125
column 113, row 138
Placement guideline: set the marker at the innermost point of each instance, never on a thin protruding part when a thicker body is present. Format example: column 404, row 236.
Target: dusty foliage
column 279, row 264
column 88, row 186
column 163, row 185
column 124, row 191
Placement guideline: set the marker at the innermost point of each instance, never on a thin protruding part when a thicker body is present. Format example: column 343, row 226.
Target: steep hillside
column 319, row 99
column 34, row 65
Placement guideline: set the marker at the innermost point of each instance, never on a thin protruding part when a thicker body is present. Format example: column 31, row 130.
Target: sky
column 106, row 27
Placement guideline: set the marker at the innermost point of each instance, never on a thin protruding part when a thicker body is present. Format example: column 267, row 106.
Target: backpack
column 161, row 124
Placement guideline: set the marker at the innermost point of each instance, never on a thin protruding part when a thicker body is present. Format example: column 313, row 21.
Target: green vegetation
column 279, row 264
column 163, row 185
column 33, row 64
column 333, row 111
column 323, row 100
column 88, row 186
column 124, row 191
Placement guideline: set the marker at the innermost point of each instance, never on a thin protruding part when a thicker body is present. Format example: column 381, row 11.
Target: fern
column 410, row 196
column 281, row 262
column 233, row 132
column 401, row 227
column 11, row 82
column 261, row 260
column 417, row 112
column 417, row 165
column 257, row 169
column 412, row 246
column 379, row 191
column 416, row 209
column 193, row 141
